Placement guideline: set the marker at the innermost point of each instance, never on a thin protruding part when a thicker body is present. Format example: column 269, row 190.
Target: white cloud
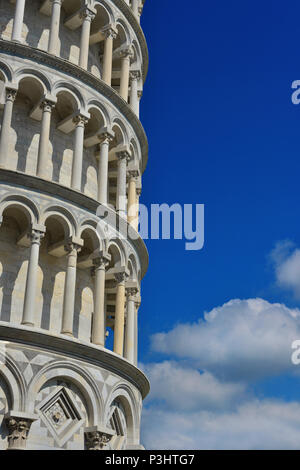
column 286, row 259
column 254, row 425
column 186, row 389
column 243, row 340
column 200, row 398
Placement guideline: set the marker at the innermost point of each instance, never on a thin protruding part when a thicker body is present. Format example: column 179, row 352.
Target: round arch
column 132, row 267
column 124, row 35
column 62, row 214
column 63, row 86
column 34, row 74
column 121, row 134
column 90, row 237
column 135, row 152
column 123, row 393
column 27, row 206
column 137, row 53
column 14, row 380
column 6, row 71
column 107, row 18
column 93, row 103
column 98, row 118
column 117, row 252
column 76, row 375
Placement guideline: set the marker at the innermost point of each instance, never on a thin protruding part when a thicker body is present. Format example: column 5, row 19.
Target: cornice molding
column 74, row 348
column 21, row 180
column 63, row 65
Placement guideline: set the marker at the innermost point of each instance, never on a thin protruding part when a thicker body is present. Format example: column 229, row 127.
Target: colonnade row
column 107, row 34
column 127, row 198
column 126, row 303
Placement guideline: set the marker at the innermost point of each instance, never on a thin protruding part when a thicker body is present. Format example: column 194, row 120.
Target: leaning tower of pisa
column 72, row 155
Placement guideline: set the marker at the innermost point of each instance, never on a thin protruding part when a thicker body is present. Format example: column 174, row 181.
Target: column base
column 27, row 323
column 67, row 333
column 19, row 41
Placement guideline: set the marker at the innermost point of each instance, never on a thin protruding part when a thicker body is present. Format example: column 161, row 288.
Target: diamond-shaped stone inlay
column 61, row 415
column 56, row 415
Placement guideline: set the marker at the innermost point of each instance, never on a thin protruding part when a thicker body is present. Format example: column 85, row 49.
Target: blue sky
column 223, row 131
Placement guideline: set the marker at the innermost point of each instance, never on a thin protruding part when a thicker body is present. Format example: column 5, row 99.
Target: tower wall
column 72, row 155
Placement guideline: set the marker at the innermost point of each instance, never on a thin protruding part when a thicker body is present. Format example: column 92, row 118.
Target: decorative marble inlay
column 61, row 415
column 56, row 415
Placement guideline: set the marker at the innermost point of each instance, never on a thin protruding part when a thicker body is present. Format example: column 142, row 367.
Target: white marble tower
column 72, row 155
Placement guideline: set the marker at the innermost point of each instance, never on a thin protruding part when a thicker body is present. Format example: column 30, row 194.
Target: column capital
column 131, row 293
column 106, row 135
column 47, row 105
column 97, row 438
column 80, row 120
column 132, row 288
column 110, row 32
column 18, row 425
column 87, row 14
column 124, row 154
column 101, row 259
column 126, row 53
column 121, row 276
column 57, row 2
column 10, row 94
column 133, row 174
column 134, row 75
column 36, row 236
column 73, row 244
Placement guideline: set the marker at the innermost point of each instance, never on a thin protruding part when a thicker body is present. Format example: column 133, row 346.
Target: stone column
column 140, row 11
column 130, row 325
column 18, row 21
column 6, row 125
column 80, row 121
column 134, row 100
column 137, row 305
column 136, row 221
column 18, row 425
column 31, row 280
column 47, row 107
column 123, row 158
column 119, row 314
column 135, row 7
column 54, row 28
column 139, row 95
column 126, row 55
column 98, row 330
column 131, row 206
column 72, row 250
column 88, row 17
column 110, row 35
column 105, row 139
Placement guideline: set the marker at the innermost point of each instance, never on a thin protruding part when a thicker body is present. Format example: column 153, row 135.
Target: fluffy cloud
column 186, row 389
column 254, row 425
column 286, row 259
column 202, row 398
column 243, row 340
